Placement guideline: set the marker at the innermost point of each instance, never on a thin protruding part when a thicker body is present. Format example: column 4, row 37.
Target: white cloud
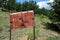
column 44, row 4
column 50, row 0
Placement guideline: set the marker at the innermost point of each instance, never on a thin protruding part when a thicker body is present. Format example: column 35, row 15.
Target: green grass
column 31, row 35
column 1, row 28
column 41, row 19
column 52, row 38
column 4, row 19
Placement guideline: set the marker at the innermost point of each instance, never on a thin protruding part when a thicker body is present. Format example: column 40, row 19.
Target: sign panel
column 22, row 20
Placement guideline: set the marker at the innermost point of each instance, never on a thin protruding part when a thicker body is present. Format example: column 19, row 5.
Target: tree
column 18, row 7
column 11, row 5
column 25, row 6
column 31, row 5
column 56, row 15
column 3, row 4
column 56, row 6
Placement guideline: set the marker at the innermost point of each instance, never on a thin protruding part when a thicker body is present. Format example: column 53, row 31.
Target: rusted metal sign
column 22, row 20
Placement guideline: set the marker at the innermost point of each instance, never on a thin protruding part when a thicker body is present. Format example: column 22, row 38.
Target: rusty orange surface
column 22, row 20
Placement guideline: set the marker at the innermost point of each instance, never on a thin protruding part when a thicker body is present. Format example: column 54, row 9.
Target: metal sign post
column 10, row 32
column 10, row 28
column 34, row 33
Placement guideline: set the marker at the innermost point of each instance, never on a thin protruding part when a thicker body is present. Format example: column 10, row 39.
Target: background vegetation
column 49, row 18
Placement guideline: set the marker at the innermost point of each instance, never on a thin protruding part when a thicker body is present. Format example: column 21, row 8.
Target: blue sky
column 40, row 3
column 34, row 0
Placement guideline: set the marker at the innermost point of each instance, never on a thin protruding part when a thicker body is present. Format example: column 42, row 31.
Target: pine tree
column 11, row 4
column 56, row 6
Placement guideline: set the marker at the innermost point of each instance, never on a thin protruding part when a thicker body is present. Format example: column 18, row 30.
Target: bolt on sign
column 22, row 20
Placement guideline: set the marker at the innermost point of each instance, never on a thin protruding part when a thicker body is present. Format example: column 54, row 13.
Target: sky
column 40, row 3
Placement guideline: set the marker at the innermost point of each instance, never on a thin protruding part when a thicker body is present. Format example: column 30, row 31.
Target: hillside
column 41, row 32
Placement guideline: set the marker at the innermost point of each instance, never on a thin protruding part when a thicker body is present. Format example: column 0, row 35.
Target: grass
column 52, row 38
column 1, row 28
column 4, row 19
column 41, row 19
column 31, row 35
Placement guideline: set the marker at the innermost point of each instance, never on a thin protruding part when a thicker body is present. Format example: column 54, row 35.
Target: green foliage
column 12, row 5
column 4, row 21
column 1, row 28
column 18, row 7
column 1, row 3
column 55, row 15
column 42, row 16
column 31, row 5
column 41, row 19
column 52, row 38
column 56, row 8
column 31, row 35
column 7, row 25
column 53, row 27
column 25, row 6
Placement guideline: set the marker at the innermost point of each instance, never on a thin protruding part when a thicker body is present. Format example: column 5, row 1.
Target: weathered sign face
column 22, row 20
